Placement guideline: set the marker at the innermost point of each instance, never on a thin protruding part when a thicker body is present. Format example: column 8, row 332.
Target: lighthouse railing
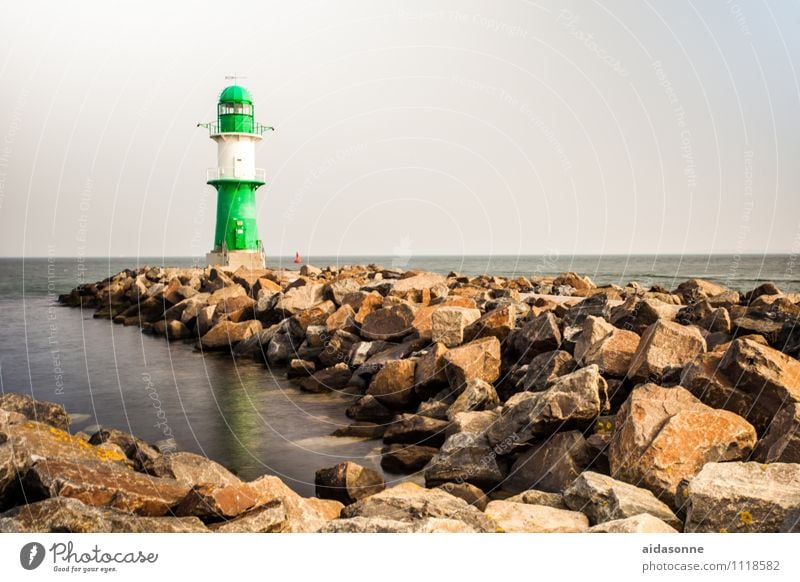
column 258, row 129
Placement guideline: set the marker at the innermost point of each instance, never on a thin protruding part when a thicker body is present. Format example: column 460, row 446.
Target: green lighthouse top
column 235, row 94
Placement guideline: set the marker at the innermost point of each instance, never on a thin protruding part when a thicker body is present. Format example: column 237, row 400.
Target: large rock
column 369, row 409
column 405, row 459
column 772, row 377
column 340, row 288
column 231, row 501
column 744, row 497
column 104, row 484
column 665, row 348
column 475, row 422
column 642, row 523
column 413, row 429
column 389, row 323
column 44, row 412
column 67, row 515
column 478, row 359
column 448, row 324
column 191, row 470
column 227, row 334
column 541, row 334
column 593, row 330
column 614, row 353
column 546, row 368
column 551, row 465
column 577, row 398
column 604, row 499
column 347, row 483
column 705, row 379
column 423, row 319
column 465, row 457
column 393, row 385
column 637, row 314
column 477, row 395
column 535, row 497
column 333, row 378
column 430, row 374
column 408, row 502
column 299, row 299
column 665, row 434
column 139, row 452
column 694, row 289
column 522, row 517
column 469, row 493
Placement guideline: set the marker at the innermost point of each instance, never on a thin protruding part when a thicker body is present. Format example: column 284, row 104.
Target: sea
column 242, row 413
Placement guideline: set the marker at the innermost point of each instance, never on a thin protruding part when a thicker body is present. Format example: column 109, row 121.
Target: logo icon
column 31, row 555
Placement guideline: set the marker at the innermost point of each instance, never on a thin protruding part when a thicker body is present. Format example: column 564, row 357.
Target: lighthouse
column 236, row 179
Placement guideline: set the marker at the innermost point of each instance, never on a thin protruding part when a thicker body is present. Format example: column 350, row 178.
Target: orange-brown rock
column 614, row 353
column 496, row 323
column 388, row 323
column 665, row 348
column 423, row 317
column 477, row 359
column 393, row 385
column 227, row 334
column 104, row 484
column 664, row 435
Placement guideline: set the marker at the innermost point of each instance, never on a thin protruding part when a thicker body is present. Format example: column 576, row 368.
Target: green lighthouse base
column 232, row 260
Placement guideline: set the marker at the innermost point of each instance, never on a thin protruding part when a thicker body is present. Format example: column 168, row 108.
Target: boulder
column 577, row 398
column 642, row 523
column 68, row 515
column 593, row 330
column 191, row 470
column 665, row 348
column 448, row 324
column 551, row 465
column 781, row 443
column 637, row 314
column 340, row 288
column 408, row 502
column 333, row 378
column 477, row 395
column 546, row 368
column 541, row 334
column 423, row 319
column 718, row 320
column 478, row 359
column 771, row 377
column 343, row 318
column 172, row 330
column 338, row 348
column 271, row 517
column 495, row 323
column 694, row 289
column 614, row 353
column 393, row 385
column 388, row 323
column 704, row 378
column 347, row 483
column 605, row 499
column 140, row 453
column 429, row 374
column 405, row 459
column 45, row 412
column 367, row 408
column 104, row 484
column 227, row 334
column 415, row 286
column 361, row 429
column 465, row 458
column 234, row 500
column 664, row 435
column 744, row 497
column 299, row 299
column 413, row 429
column 522, row 517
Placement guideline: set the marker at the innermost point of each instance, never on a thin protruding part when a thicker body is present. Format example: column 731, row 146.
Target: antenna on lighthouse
column 235, row 78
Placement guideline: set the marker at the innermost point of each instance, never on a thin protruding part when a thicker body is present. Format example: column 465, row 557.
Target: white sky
column 468, row 128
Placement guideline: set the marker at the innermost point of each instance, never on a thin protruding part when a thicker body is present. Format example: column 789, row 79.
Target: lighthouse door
column 238, row 168
column 238, row 235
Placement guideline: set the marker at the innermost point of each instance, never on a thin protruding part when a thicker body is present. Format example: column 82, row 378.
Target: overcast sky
column 447, row 127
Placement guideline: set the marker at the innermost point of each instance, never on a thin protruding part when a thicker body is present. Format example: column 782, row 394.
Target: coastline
column 512, row 397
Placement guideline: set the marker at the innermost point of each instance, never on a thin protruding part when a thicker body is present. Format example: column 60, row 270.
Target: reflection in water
column 238, row 413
